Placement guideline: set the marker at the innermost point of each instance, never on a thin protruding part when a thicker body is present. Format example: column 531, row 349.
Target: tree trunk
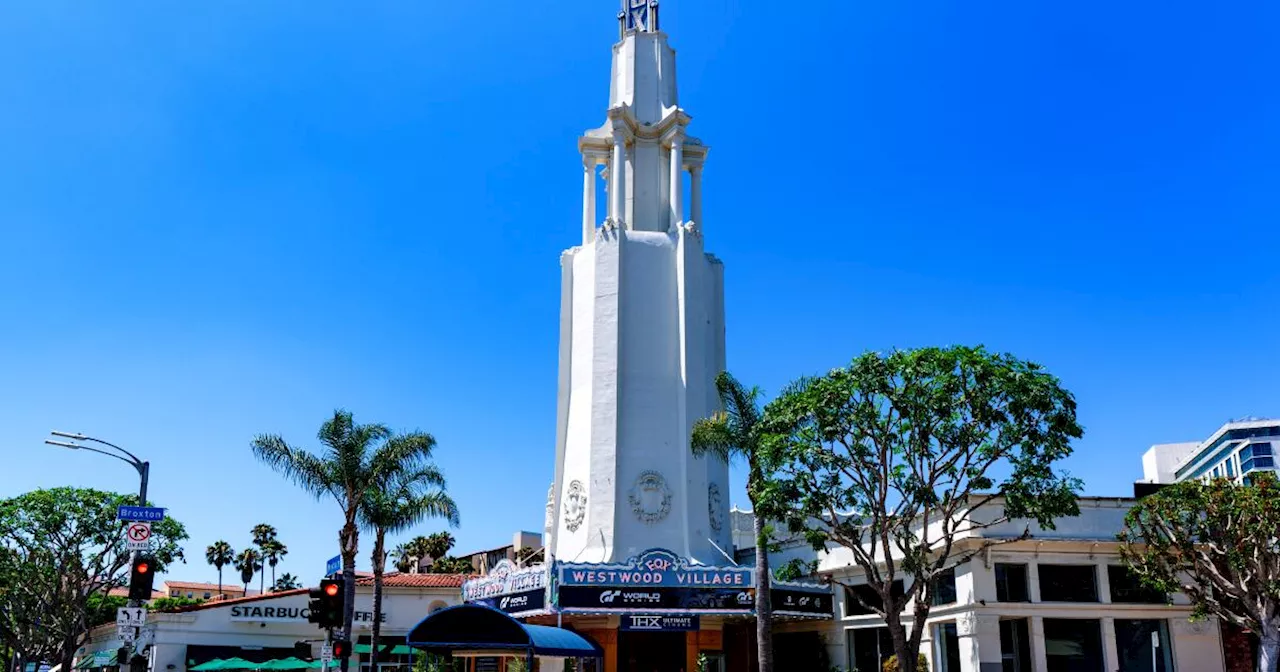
column 379, row 566
column 219, row 581
column 764, row 605
column 898, row 633
column 349, row 541
column 1269, row 650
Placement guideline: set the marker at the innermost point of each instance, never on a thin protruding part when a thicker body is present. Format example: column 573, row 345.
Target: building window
column 1068, row 583
column 1231, row 468
column 1073, row 645
column 1011, row 583
column 190, row 595
column 869, row 648
column 944, row 588
column 208, row 595
column 869, row 596
column 948, row 648
column 1134, row 641
column 1015, row 645
column 1126, row 588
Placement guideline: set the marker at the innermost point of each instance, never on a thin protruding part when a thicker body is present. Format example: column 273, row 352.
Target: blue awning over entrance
column 471, row 627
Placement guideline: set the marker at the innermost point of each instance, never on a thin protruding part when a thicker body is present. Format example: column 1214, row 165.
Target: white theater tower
column 641, row 330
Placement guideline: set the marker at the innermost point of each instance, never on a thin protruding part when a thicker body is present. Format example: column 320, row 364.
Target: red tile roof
column 398, row 580
column 237, row 600
column 226, row 587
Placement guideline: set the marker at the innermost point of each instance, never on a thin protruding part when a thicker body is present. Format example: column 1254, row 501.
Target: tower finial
column 639, row 16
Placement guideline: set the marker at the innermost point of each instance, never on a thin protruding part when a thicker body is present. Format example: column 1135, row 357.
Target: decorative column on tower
column 641, row 331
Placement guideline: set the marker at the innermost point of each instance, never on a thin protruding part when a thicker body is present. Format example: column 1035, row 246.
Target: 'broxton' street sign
column 149, row 514
column 333, row 566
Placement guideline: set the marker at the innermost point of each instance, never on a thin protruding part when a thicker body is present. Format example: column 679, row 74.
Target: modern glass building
column 1237, row 450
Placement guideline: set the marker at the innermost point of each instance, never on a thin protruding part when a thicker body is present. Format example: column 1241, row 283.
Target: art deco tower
column 641, row 330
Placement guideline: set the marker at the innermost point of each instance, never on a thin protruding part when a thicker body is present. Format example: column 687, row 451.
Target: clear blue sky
column 221, row 219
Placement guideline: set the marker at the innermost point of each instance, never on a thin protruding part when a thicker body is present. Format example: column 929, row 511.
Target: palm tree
column 404, row 500
column 420, row 548
column 439, row 544
column 355, row 459
column 736, row 432
column 248, row 562
column 286, row 581
column 272, row 551
column 219, row 554
column 405, row 562
column 263, row 536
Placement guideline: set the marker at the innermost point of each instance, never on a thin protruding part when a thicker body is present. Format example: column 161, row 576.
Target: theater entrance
column 651, row 652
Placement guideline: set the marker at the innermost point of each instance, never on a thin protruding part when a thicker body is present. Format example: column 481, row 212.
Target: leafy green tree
column 733, row 433
column 219, row 554
column 286, row 581
column 355, row 458
column 405, row 500
column 61, row 551
column 248, row 563
column 170, row 604
column 101, row 608
column 1217, row 543
column 959, row 437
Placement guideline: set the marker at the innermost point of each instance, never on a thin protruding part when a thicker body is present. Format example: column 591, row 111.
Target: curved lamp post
column 144, row 468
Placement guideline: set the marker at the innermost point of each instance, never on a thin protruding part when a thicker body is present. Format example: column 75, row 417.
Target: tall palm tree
column 219, row 554
column 286, row 581
column 355, row 459
column 248, row 562
column 272, row 551
column 395, row 505
column 263, row 536
column 736, row 432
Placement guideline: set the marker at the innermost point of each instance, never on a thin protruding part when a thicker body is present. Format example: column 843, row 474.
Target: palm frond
column 402, row 453
column 713, row 436
column 306, row 470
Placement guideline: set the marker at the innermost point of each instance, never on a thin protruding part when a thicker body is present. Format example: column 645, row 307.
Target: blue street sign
column 141, row 513
column 333, row 566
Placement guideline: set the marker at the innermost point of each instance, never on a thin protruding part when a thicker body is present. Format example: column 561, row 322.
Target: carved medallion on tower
column 714, row 500
column 650, row 497
column 575, row 505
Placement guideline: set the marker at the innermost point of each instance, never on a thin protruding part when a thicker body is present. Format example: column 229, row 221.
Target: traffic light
column 325, row 607
column 124, row 655
column 341, row 649
column 141, row 577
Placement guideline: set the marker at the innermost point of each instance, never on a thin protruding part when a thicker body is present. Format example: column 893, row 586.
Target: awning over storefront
column 478, row 628
column 387, row 649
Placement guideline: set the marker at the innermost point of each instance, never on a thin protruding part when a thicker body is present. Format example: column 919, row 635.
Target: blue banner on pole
column 140, row 513
column 333, row 566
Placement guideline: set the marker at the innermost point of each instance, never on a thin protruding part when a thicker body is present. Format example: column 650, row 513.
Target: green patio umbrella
column 208, row 665
column 285, row 664
column 237, row 664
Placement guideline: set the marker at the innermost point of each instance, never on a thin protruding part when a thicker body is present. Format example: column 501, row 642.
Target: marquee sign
column 656, row 568
column 659, row 623
column 602, row 599
column 510, row 589
column 791, row 598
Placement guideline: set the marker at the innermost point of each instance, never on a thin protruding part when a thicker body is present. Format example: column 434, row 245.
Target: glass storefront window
column 1144, row 646
column 1073, row 645
column 1015, row 645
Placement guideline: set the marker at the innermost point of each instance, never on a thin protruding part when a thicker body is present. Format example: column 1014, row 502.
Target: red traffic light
column 331, row 589
column 142, row 567
column 341, row 648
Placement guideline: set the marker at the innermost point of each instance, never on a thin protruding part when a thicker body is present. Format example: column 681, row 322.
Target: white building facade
column 1059, row 601
column 261, row 628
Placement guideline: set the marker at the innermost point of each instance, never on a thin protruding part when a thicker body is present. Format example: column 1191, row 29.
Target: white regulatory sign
column 133, row 617
column 326, row 654
column 137, row 536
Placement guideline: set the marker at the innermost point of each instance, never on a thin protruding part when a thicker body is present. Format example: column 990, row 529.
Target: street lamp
column 144, row 468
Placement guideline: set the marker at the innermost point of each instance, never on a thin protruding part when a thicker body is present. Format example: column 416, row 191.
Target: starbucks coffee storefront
column 264, row 628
